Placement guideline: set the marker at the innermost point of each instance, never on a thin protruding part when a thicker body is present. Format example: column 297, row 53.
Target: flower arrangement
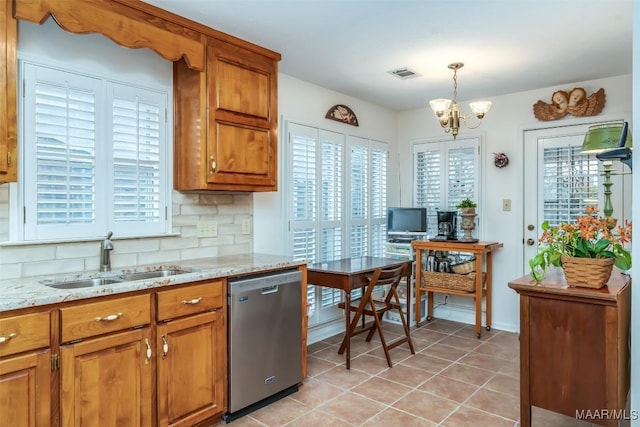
column 591, row 236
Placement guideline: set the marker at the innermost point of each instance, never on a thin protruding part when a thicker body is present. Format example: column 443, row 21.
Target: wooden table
column 348, row 274
column 574, row 354
column 482, row 251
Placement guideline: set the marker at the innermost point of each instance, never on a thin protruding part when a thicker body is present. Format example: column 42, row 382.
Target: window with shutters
column 445, row 172
column 570, row 182
column 94, row 155
column 338, row 203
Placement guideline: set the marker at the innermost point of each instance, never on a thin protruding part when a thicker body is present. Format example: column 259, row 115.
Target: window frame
column 327, row 296
column 444, row 147
column 20, row 213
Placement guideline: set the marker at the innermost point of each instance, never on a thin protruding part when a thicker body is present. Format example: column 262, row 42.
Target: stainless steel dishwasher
column 265, row 340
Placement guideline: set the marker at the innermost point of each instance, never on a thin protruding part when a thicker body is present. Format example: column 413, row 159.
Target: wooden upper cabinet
column 225, row 89
column 227, row 139
column 8, row 101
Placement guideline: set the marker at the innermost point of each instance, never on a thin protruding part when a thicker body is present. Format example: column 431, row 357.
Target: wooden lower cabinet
column 107, row 380
column 574, row 352
column 191, row 360
column 25, row 370
column 25, row 391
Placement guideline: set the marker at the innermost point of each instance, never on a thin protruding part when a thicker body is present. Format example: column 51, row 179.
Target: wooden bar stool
column 367, row 305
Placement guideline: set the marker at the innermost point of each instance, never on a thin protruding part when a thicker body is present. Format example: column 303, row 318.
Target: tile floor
column 453, row 380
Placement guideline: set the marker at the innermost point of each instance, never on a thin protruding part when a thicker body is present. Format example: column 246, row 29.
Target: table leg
column 489, row 291
column 347, row 316
column 478, row 297
column 417, row 292
column 525, row 415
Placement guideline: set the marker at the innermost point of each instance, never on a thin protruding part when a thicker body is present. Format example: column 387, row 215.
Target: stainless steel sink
column 83, row 283
column 152, row 274
column 113, row 278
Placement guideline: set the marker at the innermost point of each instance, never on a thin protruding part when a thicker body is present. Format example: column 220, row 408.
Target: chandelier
column 448, row 112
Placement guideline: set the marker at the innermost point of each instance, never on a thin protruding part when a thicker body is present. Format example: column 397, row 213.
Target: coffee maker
column 447, row 225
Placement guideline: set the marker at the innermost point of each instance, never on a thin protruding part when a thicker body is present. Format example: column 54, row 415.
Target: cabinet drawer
column 190, row 300
column 98, row 318
column 24, row 332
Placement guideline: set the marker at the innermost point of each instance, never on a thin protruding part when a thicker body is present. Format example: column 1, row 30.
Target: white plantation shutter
column 359, row 191
column 462, row 181
column 60, row 146
column 93, row 156
column 445, row 172
column 378, row 220
column 428, row 181
column 137, row 135
column 570, row 182
column 321, row 191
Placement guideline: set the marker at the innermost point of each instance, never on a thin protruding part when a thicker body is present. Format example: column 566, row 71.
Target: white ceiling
column 507, row 45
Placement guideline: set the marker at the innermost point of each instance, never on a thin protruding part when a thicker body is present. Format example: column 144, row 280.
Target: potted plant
column 467, row 213
column 591, row 240
column 466, row 206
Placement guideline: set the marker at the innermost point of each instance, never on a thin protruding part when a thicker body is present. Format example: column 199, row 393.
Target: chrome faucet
column 105, row 253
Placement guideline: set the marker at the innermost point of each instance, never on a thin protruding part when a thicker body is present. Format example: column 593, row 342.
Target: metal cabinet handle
column 213, row 164
column 165, row 347
column 8, row 337
column 192, row 301
column 149, row 351
column 110, row 317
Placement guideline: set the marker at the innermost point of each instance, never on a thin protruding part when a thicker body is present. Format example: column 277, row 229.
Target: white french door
column 560, row 181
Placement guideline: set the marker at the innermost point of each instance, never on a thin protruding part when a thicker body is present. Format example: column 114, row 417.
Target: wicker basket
column 587, row 272
column 465, row 267
column 457, row 282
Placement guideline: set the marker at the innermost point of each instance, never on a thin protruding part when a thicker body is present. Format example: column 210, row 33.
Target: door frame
column 539, row 126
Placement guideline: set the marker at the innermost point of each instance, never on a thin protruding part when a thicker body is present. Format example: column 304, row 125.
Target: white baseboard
column 454, row 312
column 325, row 330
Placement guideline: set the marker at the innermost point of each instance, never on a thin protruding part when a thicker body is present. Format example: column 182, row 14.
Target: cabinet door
column 107, row 381
column 242, row 98
column 25, row 391
column 8, row 102
column 191, row 360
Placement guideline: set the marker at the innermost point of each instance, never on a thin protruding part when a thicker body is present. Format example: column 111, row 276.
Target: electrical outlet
column 246, row 225
column 207, row 228
column 506, row 205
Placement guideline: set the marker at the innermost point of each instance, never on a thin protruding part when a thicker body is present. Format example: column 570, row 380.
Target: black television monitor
column 407, row 220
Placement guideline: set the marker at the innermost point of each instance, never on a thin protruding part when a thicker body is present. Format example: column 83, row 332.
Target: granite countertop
column 32, row 292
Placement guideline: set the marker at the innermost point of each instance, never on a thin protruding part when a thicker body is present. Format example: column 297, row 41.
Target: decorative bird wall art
column 575, row 102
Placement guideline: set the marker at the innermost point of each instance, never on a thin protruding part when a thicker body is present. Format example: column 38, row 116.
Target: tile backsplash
column 227, row 209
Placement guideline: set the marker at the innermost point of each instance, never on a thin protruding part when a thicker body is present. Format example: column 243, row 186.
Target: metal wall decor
column 342, row 113
column 575, row 102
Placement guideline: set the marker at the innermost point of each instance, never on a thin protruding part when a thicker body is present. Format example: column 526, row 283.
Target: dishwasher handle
column 264, row 281
column 269, row 290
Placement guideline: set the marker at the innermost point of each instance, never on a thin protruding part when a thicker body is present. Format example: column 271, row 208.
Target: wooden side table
column 574, row 347
column 482, row 251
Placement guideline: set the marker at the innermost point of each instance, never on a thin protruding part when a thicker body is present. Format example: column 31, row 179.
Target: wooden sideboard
column 574, row 347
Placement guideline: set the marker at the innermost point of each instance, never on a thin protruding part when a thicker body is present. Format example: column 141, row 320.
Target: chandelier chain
column 455, row 85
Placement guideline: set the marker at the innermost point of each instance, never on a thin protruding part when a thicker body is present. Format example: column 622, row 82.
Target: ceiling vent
column 404, row 73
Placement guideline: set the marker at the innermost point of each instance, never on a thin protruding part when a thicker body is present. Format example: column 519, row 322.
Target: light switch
column 506, row 205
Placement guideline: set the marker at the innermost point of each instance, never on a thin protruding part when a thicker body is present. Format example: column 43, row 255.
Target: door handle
column 530, row 242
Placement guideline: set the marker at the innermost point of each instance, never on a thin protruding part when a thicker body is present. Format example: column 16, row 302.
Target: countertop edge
column 30, row 292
